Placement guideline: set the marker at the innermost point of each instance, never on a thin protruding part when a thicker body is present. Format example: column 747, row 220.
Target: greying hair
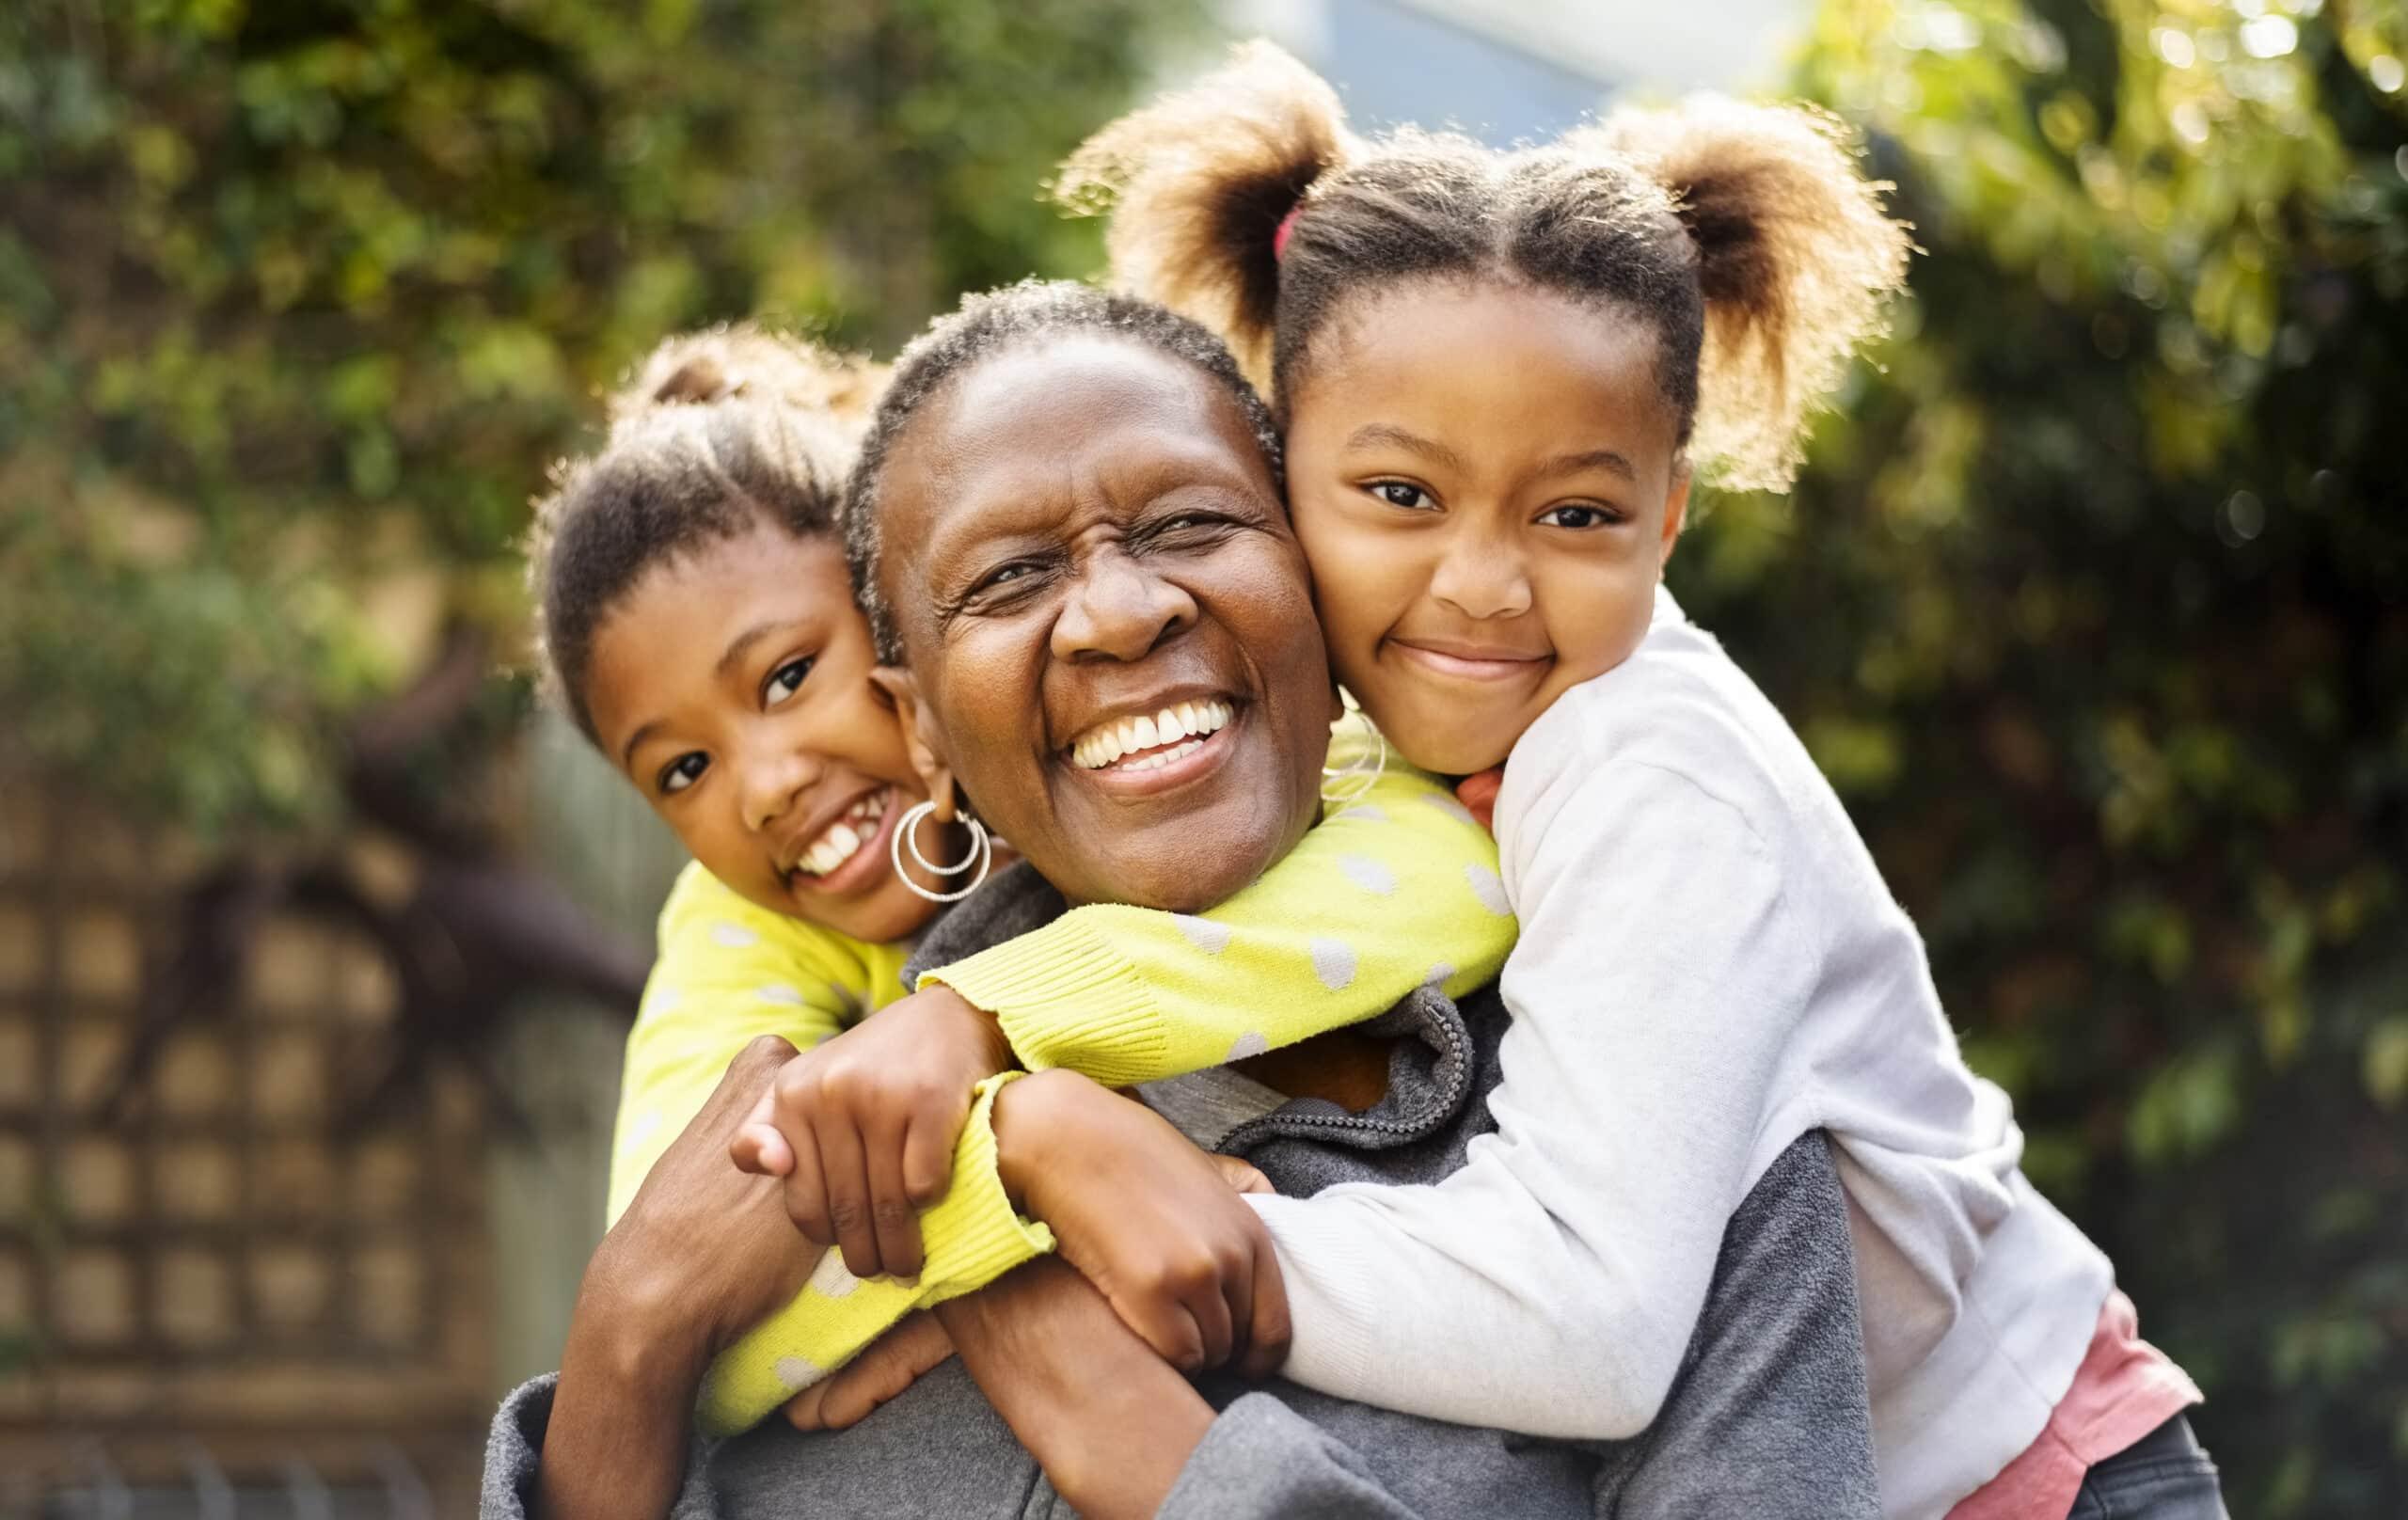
column 983, row 327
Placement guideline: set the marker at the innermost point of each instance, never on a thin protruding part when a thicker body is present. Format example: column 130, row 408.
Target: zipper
column 1434, row 1013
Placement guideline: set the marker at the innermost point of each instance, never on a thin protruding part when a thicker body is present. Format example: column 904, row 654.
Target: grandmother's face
column 1107, row 617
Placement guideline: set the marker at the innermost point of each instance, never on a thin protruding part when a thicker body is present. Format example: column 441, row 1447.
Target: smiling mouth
column 1471, row 665
column 1127, row 746
column 834, row 847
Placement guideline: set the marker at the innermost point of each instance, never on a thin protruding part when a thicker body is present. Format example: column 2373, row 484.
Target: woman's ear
column 1677, row 512
column 923, row 740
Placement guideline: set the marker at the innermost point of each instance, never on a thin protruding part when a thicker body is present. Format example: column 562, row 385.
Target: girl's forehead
column 1487, row 361
column 1410, row 324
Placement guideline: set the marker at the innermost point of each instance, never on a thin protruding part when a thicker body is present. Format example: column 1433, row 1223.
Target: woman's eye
column 684, row 771
column 1401, row 494
column 785, row 679
column 1576, row 516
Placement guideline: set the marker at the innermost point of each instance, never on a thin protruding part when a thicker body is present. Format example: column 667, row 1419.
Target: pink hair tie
column 1286, row 229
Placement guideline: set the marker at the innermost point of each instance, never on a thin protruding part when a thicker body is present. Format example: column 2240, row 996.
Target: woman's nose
column 1119, row 609
column 773, row 779
column 1482, row 576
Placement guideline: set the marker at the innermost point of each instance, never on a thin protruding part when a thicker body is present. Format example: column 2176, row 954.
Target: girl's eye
column 785, row 679
column 684, row 771
column 1577, row 514
column 1401, row 494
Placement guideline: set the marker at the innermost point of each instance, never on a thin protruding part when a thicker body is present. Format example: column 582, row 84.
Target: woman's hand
column 702, row 1253
column 1155, row 1224
column 863, row 1129
column 890, row 1364
column 1108, row 1421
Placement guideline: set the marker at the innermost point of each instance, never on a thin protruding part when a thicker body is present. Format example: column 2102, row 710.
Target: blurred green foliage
column 297, row 296
column 2093, row 603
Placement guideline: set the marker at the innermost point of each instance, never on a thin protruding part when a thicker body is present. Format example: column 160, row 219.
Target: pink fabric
column 1286, row 229
column 2124, row 1389
column 1478, row 793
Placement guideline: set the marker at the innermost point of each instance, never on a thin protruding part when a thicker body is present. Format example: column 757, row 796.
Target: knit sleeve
column 971, row 1236
column 1396, row 889
column 728, row 971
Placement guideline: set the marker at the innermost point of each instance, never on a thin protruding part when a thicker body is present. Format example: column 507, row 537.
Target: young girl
column 697, row 623
column 1496, row 372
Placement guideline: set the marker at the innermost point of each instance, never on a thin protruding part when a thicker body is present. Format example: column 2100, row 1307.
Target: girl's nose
column 774, row 780
column 1482, row 576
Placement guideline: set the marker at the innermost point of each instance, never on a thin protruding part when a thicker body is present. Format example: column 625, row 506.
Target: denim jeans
column 2165, row 1475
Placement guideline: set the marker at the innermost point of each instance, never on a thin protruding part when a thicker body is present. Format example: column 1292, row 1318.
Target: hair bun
column 1199, row 184
column 1796, row 256
column 741, row 361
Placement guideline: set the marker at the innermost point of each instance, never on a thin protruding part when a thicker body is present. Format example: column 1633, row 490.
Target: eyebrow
column 627, row 755
column 1604, row 459
column 745, row 640
column 1373, row 434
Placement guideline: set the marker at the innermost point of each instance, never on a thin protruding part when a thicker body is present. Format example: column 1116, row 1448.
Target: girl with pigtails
column 1496, row 375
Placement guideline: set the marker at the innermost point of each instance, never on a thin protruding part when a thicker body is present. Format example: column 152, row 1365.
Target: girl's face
column 1486, row 482
column 733, row 686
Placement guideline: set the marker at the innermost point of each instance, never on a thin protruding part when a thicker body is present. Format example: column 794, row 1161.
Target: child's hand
column 1155, row 1224
column 862, row 1128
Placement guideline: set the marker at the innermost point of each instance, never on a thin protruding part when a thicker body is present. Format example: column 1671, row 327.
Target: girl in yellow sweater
column 697, row 624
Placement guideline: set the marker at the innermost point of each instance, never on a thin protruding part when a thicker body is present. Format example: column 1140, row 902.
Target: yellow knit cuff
column 973, row 1235
column 1065, row 998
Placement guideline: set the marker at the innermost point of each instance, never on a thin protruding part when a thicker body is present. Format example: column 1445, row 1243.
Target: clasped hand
column 862, row 1129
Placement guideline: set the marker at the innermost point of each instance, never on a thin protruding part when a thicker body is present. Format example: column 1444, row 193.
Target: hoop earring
column 981, row 856
column 1354, row 781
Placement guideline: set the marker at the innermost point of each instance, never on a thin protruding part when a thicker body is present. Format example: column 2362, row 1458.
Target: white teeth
column 1155, row 762
column 839, row 842
column 1106, row 743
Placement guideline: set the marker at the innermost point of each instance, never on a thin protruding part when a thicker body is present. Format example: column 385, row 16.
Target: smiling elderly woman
column 1067, row 514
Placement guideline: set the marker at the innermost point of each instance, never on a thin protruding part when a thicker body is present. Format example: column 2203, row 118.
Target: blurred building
column 1505, row 69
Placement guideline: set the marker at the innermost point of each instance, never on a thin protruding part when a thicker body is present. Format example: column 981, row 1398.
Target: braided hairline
column 985, row 326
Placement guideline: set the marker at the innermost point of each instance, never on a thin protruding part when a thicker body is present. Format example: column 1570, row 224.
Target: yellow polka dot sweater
column 1395, row 889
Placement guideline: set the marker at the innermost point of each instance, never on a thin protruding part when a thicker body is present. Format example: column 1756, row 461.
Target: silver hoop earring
column 1354, row 781
column 981, row 856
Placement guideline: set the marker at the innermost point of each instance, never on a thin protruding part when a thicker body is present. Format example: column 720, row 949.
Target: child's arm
column 973, row 1236
column 1396, row 890
column 727, row 971
column 1387, row 893
column 1552, row 1284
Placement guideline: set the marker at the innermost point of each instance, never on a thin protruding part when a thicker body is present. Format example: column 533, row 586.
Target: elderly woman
column 1069, row 511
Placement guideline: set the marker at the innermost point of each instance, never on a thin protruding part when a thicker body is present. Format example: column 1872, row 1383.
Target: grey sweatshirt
column 1767, row 1416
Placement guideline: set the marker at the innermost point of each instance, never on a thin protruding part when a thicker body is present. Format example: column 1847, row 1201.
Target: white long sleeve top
column 1710, row 965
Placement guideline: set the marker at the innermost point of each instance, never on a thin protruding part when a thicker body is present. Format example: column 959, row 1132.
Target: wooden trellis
column 223, row 1261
